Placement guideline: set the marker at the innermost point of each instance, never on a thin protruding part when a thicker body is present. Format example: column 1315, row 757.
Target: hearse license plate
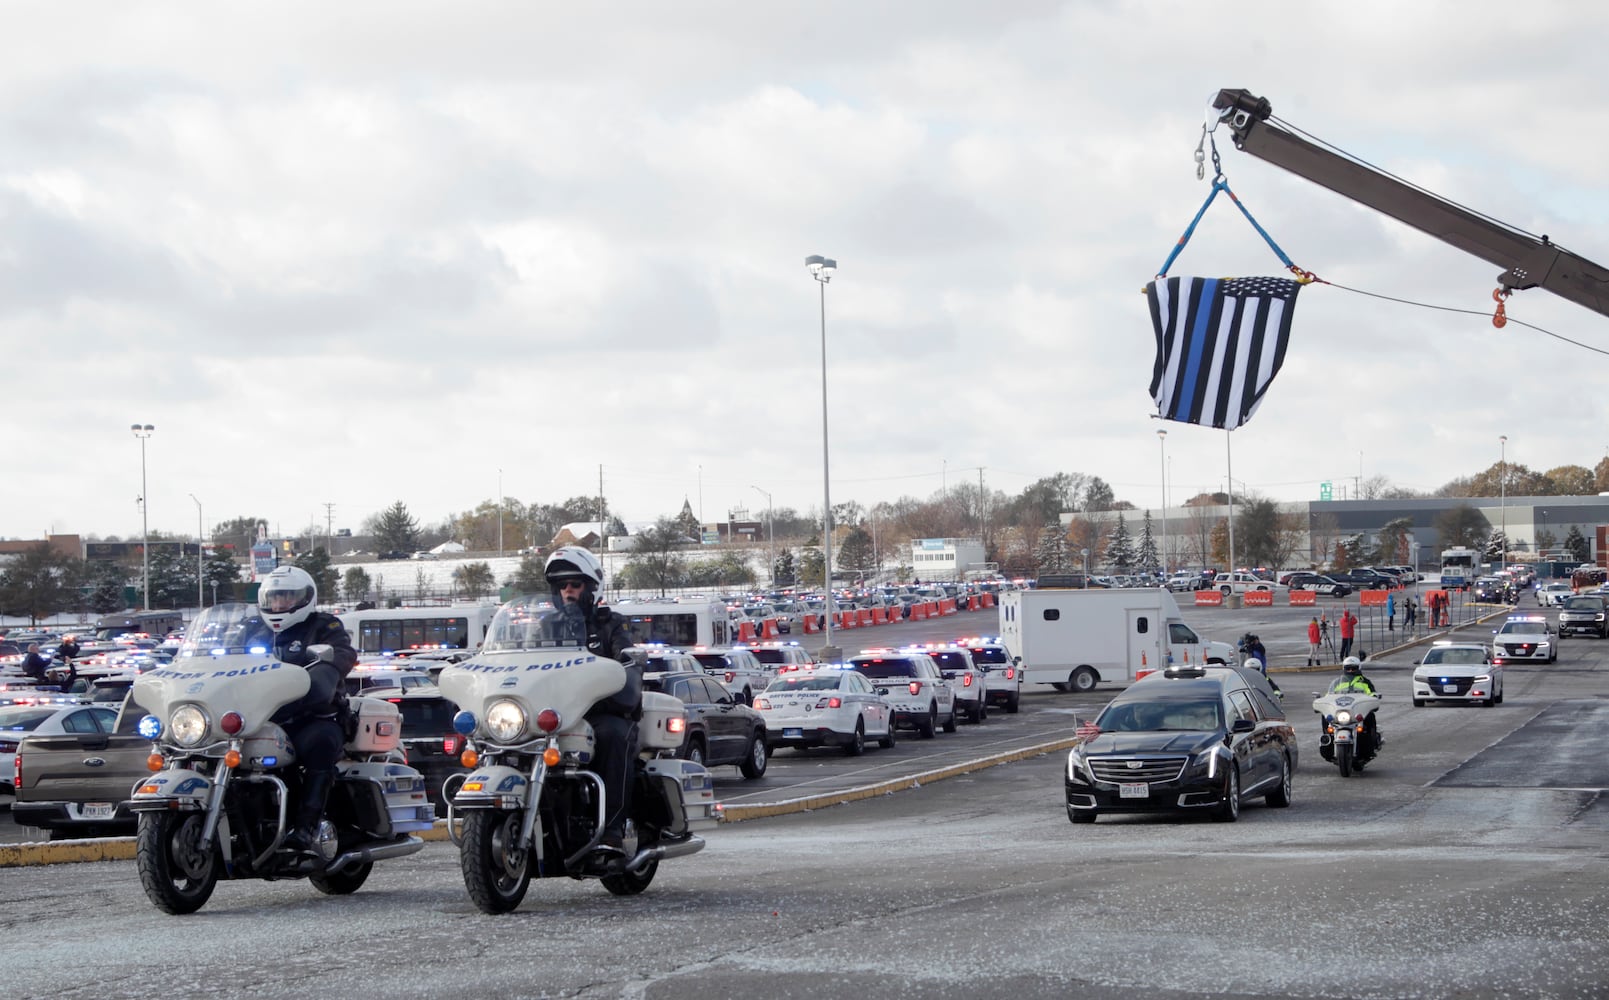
column 1134, row 790
column 97, row 810
column 797, row 732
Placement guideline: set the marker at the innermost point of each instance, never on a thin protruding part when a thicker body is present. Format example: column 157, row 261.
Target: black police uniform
column 614, row 719
column 313, row 722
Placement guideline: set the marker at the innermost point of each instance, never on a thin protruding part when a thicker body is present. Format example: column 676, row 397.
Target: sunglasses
column 577, row 584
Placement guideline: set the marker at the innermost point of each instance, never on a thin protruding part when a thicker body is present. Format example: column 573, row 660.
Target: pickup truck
column 78, row 785
column 1240, row 583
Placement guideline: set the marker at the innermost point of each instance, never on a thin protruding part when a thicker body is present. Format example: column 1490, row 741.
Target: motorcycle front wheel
column 177, row 870
column 497, row 868
column 1343, row 757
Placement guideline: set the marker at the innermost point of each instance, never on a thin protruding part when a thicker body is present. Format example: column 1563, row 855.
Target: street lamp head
column 821, row 268
column 142, row 430
column 1161, row 432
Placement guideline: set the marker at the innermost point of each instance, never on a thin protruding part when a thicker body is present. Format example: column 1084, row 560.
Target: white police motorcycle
column 225, row 779
column 530, row 807
column 1345, row 739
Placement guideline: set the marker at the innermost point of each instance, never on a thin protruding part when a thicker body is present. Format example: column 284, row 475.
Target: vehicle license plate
column 1134, row 790
column 793, row 733
column 1343, row 736
column 1449, row 688
column 97, row 810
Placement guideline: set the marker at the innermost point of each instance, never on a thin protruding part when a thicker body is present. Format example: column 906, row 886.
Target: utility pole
column 329, row 529
column 603, row 515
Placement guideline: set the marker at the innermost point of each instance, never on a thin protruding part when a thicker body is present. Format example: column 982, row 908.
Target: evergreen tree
column 1050, row 552
column 106, row 580
column 785, row 573
column 1120, row 548
column 395, row 530
column 811, row 573
column 1576, row 542
column 356, row 585
column 317, row 565
column 529, row 578
column 1493, row 547
column 855, row 554
column 1149, row 560
column 38, row 583
column 687, row 522
column 173, row 578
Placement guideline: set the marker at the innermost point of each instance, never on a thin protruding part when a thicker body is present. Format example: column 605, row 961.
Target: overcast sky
column 356, row 253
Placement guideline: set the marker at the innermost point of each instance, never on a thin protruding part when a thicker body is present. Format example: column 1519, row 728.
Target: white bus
column 407, row 630
column 683, row 624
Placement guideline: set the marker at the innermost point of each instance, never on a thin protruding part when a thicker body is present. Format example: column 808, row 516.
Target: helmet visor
column 279, row 601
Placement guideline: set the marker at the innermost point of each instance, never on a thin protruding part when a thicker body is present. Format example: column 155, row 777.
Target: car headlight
column 505, row 720
column 188, row 724
column 1075, row 766
column 1343, row 717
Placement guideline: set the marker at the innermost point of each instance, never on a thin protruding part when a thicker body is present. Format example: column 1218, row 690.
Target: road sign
column 1324, row 491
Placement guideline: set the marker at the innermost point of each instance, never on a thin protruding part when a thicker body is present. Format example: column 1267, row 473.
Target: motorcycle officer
column 575, row 575
column 1262, row 668
column 318, row 641
column 1352, row 681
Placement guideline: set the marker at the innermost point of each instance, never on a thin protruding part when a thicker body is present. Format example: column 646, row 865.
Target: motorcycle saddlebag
column 684, row 792
column 663, row 722
column 387, row 798
column 379, row 726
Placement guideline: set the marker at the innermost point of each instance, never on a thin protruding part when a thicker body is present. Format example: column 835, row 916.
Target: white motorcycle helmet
column 1256, row 664
column 1351, row 666
column 287, row 596
column 573, row 560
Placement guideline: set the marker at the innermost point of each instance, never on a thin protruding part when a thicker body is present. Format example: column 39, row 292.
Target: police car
column 782, row 657
column 966, row 678
column 1002, row 672
column 658, row 658
column 913, row 686
column 825, row 706
column 1457, row 671
column 736, row 667
column 1525, row 638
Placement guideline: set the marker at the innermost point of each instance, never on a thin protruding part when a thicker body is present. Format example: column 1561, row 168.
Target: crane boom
column 1527, row 262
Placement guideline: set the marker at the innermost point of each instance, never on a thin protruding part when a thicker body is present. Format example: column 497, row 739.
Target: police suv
column 914, row 687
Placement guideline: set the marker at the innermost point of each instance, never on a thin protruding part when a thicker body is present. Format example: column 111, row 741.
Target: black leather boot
column 303, row 838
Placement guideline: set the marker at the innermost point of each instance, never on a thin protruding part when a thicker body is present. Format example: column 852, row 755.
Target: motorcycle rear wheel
column 343, row 882
column 497, row 871
column 177, row 872
column 630, row 883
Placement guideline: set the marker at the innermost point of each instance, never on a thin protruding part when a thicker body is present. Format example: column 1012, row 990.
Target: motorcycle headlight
column 1343, row 717
column 188, row 724
column 505, row 720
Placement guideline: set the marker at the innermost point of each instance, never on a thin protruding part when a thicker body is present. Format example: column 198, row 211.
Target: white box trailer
column 1074, row 639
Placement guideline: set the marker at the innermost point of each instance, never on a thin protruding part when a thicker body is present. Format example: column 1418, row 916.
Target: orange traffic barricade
column 1209, row 598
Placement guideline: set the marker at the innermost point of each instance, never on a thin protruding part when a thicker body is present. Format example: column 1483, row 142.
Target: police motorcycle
column 1344, row 738
column 529, row 807
column 223, row 795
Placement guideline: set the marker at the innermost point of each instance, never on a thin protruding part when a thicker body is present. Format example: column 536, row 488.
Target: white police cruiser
column 1002, row 677
column 914, row 687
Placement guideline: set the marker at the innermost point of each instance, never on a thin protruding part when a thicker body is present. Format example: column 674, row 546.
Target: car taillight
column 1011, row 673
column 966, row 681
column 835, row 702
column 916, row 687
column 729, row 676
column 761, row 704
column 450, row 745
column 16, row 773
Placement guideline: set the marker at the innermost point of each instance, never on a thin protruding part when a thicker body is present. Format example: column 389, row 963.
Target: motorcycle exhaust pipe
column 374, row 852
column 680, row 849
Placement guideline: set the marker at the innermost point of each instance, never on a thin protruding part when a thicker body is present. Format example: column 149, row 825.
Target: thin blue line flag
column 1219, row 344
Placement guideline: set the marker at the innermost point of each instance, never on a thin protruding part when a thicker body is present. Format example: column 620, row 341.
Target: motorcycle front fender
column 180, row 789
column 493, row 787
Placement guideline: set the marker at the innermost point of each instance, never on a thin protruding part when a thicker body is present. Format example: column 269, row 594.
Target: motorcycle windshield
column 536, row 655
column 225, row 664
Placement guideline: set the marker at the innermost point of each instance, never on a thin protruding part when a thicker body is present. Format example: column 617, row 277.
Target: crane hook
column 1499, row 318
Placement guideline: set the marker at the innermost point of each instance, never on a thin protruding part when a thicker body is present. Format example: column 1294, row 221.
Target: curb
column 739, row 814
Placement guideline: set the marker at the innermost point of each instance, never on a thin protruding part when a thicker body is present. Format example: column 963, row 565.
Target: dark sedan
column 720, row 728
column 1365, row 579
column 1186, row 739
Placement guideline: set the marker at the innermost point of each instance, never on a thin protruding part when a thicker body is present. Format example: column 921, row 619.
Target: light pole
column 1162, row 440
column 771, row 530
column 1084, row 555
column 1502, row 480
column 143, row 431
column 499, row 513
column 822, row 268
column 201, row 594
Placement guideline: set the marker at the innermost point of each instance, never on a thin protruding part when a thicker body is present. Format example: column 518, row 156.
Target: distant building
column 945, row 558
